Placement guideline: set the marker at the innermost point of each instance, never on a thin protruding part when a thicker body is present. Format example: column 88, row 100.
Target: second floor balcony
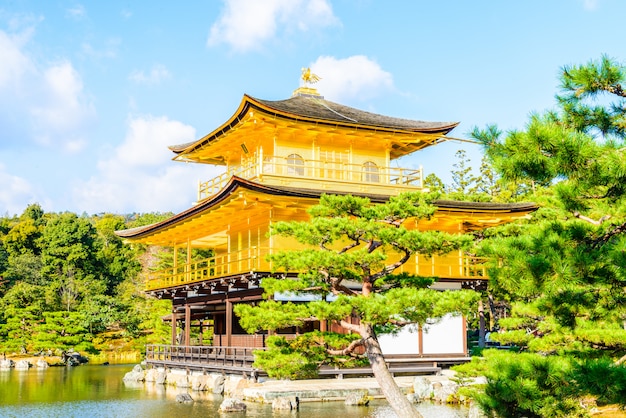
column 330, row 176
column 455, row 265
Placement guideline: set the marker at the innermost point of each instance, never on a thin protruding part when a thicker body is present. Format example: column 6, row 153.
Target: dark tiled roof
column 318, row 110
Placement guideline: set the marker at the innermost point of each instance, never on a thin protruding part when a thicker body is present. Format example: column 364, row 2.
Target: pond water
column 98, row 391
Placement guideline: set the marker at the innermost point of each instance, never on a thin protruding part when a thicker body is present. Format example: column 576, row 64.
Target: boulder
column 357, row 399
column 200, row 383
column 151, row 375
column 6, row 364
column 136, row 375
column 184, row 398
column 218, row 385
column 475, row 412
column 42, row 364
column 232, row 405
column 288, row 403
column 446, row 392
column 22, row 365
column 178, row 380
column 422, row 388
column 161, row 378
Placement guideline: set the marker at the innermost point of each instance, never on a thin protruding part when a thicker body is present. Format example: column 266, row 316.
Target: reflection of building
column 279, row 157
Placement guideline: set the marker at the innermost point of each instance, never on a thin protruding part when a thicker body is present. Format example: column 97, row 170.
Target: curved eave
column 250, row 103
column 444, row 206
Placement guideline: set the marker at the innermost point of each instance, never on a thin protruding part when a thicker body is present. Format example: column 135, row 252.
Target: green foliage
column 563, row 271
column 300, row 358
column 350, row 240
column 65, row 279
column 524, row 384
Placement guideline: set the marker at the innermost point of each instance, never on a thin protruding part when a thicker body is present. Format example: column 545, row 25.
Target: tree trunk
column 387, row 383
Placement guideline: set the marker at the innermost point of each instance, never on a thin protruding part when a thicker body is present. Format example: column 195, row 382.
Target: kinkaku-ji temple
column 279, row 157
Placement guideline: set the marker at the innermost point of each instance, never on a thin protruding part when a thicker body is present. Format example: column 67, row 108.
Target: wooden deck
column 239, row 360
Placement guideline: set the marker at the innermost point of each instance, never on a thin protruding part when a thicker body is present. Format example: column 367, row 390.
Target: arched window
column 295, row 165
column 370, row 172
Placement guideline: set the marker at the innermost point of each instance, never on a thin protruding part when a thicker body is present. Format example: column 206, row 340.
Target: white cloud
column 355, row 77
column 77, row 12
column 156, row 74
column 246, row 24
column 15, row 193
column 107, row 51
column 140, row 176
column 45, row 103
column 591, row 5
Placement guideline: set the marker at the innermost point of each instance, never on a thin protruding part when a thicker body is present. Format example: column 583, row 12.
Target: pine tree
column 349, row 239
column 564, row 271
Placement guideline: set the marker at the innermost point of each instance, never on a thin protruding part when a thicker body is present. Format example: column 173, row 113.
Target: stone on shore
column 357, row 399
column 184, row 398
column 218, row 385
column 446, row 392
column 422, row 389
column 232, row 405
column 42, row 364
column 475, row 412
column 22, row 365
column 6, row 364
column 287, row 403
column 151, row 375
column 200, row 382
column 138, row 374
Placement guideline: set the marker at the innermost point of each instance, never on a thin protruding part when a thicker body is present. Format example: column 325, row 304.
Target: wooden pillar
column 187, row 324
column 229, row 322
column 200, row 330
column 173, row 326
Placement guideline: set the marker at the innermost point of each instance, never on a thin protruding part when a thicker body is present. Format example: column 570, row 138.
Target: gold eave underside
column 209, row 227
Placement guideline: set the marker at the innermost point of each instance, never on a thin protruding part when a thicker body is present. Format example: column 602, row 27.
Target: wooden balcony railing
column 317, row 170
column 245, row 261
column 218, row 356
column 254, row 260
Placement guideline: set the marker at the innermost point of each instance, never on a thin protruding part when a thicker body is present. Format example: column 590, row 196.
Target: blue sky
column 92, row 92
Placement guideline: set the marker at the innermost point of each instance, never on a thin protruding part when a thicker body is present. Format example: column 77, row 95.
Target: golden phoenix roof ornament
column 308, row 77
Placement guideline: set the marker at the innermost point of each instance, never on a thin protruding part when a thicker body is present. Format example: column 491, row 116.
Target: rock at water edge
column 42, row 364
column 422, row 388
column 6, row 364
column 232, row 405
column 22, row 365
column 446, row 392
column 289, row 403
column 475, row 412
column 357, row 399
column 136, row 375
column 218, row 385
column 184, row 398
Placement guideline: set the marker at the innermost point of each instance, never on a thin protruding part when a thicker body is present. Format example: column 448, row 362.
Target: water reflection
column 98, row 391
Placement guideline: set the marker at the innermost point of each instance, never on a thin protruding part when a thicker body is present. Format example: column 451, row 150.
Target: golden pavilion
column 279, row 157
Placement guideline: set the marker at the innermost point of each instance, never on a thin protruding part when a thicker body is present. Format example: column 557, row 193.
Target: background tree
column 462, row 178
column 349, row 239
column 68, row 281
column 564, row 271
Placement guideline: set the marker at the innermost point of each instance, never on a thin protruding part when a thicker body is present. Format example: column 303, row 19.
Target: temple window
column 295, row 165
column 370, row 172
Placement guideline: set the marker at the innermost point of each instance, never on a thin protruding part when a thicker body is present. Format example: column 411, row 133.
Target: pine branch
column 348, row 350
column 618, row 229
column 351, row 327
column 592, row 221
